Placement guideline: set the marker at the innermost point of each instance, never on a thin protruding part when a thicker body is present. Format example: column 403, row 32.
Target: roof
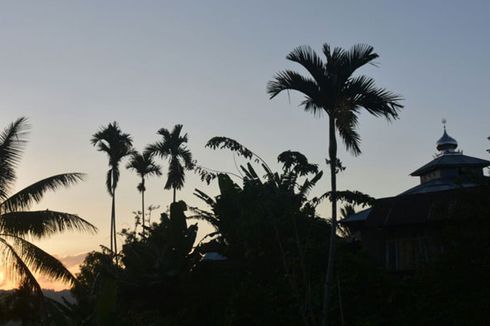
column 357, row 217
column 450, row 161
column 404, row 210
column 440, row 184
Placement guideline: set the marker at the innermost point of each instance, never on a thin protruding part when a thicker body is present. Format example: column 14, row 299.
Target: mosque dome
column 446, row 143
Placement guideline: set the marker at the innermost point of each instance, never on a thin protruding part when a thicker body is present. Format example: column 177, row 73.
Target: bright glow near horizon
column 72, row 67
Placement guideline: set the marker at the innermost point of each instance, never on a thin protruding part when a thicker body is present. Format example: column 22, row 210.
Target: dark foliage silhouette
column 117, row 145
column 172, row 147
column 332, row 88
column 20, row 257
column 143, row 165
column 148, row 289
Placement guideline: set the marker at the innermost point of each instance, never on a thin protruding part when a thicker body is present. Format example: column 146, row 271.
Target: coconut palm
column 332, row 88
column 144, row 166
column 172, row 147
column 117, row 145
column 21, row 258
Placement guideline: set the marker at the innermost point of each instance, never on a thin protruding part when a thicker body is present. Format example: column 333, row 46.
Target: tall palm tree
column 143, row 165
column 117, row 145
column 172, row 147
column 19, row 256
column 332, row 88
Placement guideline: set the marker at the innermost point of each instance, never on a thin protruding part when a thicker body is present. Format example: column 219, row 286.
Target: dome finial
column 444, row 121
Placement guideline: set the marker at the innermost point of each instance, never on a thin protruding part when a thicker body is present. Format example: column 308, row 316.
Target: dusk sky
column 74, row 66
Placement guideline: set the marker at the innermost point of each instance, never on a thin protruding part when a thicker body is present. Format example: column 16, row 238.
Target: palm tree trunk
column 114, row 221
column 332, row 151
column 143, row 205
column 112, row 224
column 174, row 194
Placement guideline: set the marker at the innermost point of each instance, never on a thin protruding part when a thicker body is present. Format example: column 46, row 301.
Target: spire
column 446, row 144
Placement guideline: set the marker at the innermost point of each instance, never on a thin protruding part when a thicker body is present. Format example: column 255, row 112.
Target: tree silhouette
column 116, row 145
column 172, row 147
column 143, row 165
column 20, row 257
column 331, row 88
column 268, row 217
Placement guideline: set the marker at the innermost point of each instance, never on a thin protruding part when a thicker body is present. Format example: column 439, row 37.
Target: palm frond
column 164, row 132
column 39, row 224
column 35, row 192
column 12, row 142
column 358, row 56
column 111, row 135
column 176, row 134
column 108, row 182
column 116, row 145
column 307, row 57
column 186, row 156
column 40, row 261
column 347, row 123
column 312, row 107
column 159, row 148
column 335, row 60
column 175, row 175
column 362, row 92
column 143, row 164
column 291, row 80
column 17, row 269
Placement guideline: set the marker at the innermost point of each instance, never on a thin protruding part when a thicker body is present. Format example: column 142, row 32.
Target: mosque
column 401, row 232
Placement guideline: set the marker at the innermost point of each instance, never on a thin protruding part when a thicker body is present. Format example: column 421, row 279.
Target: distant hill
column 55, row 295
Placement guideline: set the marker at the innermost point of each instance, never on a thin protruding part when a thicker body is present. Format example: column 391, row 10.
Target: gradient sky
column 73, row 66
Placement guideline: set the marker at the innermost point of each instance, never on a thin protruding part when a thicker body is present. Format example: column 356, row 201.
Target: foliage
column 332, row 88
column 147, row 283
column 172, row 147
column 21, row 258
column 95, row 290
column 143, row 165
column 21, row 305
column 269, row 232
column 117, row 145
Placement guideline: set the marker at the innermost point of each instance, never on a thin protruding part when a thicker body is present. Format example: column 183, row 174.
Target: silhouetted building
column 401, row 232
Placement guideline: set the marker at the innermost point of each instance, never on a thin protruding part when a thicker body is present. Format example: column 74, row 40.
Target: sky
column 74, row 66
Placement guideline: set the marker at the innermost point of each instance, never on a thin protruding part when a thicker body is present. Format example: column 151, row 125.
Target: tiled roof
column 451, row 160
column 440, row 184
column 420, row 208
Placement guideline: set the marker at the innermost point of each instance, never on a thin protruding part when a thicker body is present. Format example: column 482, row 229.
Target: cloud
column 72, row 263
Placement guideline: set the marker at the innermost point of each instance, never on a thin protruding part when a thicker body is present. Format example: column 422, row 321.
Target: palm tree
column 172, row 147
column 143, row 165
column 116, row 145
column 331, row 88
column 20, row 257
